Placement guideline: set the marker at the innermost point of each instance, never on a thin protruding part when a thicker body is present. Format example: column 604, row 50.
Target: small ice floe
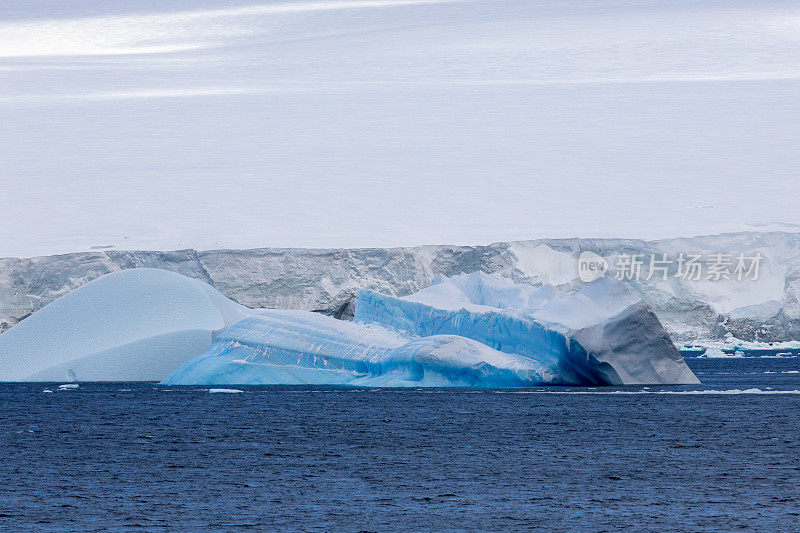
column 718, row 353
column 47, row 390
column 68, row 386
column 228, row 391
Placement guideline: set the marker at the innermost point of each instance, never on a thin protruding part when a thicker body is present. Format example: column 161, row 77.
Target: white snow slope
column 341, row 123
column 134, row 325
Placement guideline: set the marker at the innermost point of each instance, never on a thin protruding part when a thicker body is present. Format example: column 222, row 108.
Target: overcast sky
column 381, row 123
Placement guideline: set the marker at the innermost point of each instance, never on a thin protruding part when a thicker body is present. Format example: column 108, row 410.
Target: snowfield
column 232, row 132
column 337, row 124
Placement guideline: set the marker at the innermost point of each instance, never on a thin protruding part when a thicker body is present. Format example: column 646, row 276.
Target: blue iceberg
column 470, row 330
column 298, row 347
column 603, row 334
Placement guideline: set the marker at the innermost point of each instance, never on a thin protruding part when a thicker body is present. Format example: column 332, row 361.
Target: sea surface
column 120, row 456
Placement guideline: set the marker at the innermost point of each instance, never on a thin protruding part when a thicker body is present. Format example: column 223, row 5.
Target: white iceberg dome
column 131, row 325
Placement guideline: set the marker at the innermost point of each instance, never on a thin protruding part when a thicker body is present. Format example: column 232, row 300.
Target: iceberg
column 298, row 347
column 604, row 334
column 470, row 330
column 131, row 325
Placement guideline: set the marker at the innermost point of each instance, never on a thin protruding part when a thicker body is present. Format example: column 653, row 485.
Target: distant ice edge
column 729, row 314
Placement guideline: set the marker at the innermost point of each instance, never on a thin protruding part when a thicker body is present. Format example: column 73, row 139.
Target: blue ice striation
column 298, row 347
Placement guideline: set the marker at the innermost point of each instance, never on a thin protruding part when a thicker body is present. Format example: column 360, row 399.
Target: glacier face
column 601, row 335
column 132, row 325
column 328, row 280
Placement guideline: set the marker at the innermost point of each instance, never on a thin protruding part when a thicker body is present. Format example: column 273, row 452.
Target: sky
column 174, row 124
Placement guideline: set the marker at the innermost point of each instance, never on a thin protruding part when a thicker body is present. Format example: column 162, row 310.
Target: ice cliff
column 767, row 309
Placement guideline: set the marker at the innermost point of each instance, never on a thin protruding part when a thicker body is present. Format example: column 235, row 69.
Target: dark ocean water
column 138, row 455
